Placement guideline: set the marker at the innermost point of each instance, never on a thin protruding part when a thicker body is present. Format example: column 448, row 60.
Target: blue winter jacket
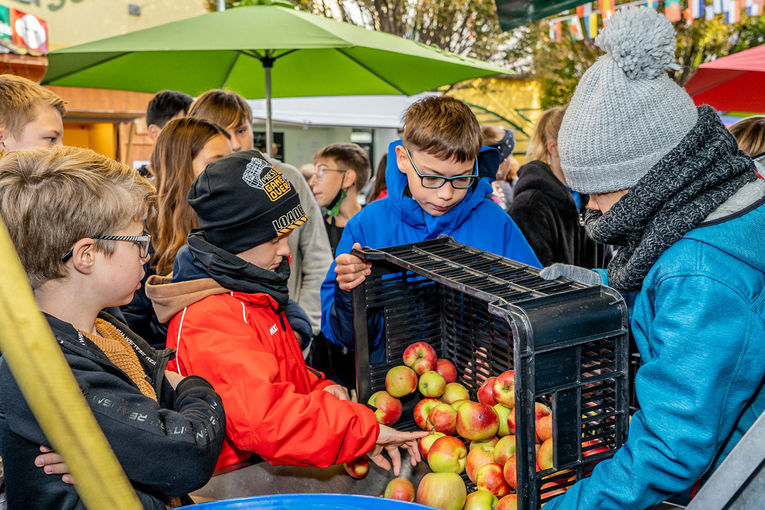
column 476, row 221
column 699, row 323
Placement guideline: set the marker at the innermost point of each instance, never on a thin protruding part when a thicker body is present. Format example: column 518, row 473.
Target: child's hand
column 391, row 440
column 340, row 392
column 53, row 464
column 351, row 270
column 173, row 378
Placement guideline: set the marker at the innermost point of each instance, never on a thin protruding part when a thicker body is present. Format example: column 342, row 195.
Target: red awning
column 735, row 83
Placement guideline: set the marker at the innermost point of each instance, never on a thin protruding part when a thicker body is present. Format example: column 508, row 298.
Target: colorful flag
column 653, row 4
column 29, row 31
column 591, row 25
column 733, row 14
column 710, row 12
column 575, row 27
column 717, row 5
column 5, row 23
column 580, row 11
column 697, row 8
column 673, row 10
column 756, row 9
column 607, row 8
column 556, row 31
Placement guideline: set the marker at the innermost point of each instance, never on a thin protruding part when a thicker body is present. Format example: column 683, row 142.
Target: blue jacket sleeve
column 700, row 369
column 337, row 317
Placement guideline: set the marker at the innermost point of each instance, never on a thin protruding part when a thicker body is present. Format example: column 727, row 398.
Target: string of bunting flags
column 592, row 19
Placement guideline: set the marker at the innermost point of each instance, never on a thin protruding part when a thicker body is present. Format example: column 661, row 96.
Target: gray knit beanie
column 626, row 113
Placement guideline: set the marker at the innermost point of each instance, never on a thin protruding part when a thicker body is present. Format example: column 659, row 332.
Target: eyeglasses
column 436, row 181
column 143, row 242
column 321, row 172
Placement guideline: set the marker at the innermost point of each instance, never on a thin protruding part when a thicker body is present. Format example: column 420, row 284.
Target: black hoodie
column 547, row 215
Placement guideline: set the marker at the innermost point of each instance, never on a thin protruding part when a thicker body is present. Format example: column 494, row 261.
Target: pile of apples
column 488, row 426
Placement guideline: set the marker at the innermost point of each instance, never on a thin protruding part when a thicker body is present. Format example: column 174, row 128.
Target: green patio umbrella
column 261, row 51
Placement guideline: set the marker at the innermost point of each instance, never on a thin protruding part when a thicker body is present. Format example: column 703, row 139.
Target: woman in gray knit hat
column 668, row 184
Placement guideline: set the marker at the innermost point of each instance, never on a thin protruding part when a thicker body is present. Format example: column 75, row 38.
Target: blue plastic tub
column 306, row 501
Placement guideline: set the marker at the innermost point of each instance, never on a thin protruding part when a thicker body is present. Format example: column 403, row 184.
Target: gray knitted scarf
column 700, row 173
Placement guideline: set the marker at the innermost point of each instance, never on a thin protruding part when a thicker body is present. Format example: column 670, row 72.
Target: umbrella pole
column 268, row 63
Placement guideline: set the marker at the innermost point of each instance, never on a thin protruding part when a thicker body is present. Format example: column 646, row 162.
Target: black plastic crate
column 567, row 342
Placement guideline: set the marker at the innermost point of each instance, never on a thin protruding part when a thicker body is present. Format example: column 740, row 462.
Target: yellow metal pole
column 45, row 379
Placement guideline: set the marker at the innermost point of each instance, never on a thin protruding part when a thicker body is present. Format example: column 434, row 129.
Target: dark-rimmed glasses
column 436, row 181
column 143, row 242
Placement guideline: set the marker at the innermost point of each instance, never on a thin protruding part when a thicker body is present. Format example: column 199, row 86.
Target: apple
column 545, row 455
column 388, row 409
column 400, row 489
column 504, row 413
column 544, row 428
column 422, row 410
column 480, row 500
column 489, row 478
column 357, row 468
column 504, row 449
column 458, row 403
column 504, row 388
column 489, row 442
column 593, row 451
column 540, row 411
column 511, row 421
column 551, row 489
column 476, row 458
column 400, row 381
column 424, row 443
column 420, row 357
column 477, row 422
column 442, row 490
column 454, row 392
column 509, row 471
column 432, row 384
column 443, row 418
column 447, row 455
column 446, row 369
column 509, row 502
column 486, row 392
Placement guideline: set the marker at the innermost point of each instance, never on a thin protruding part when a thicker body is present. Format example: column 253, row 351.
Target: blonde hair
column 223, row 107
column 444, row 127
column 51, row 198
column 750, row 134
column 19, row 100
column 546, row 130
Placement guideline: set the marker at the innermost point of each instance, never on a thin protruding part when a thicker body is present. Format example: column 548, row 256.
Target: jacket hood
column 411, row 212
column 538, row 176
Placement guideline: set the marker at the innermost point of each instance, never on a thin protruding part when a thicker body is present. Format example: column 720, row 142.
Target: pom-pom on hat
column 626, row 113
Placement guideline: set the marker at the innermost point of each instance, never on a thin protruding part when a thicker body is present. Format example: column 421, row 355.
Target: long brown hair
column 546, row 130
column 178, row 144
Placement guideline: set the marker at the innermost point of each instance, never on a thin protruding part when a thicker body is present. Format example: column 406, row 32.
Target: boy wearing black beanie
column 225, row 305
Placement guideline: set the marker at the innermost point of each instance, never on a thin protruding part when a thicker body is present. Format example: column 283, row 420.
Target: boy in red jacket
column 226, row 300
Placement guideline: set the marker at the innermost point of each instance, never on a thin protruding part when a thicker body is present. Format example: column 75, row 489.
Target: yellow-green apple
column 442, row 490
column 504, row 413
column 422, row 410
column 443, row 418
column 357, row 468
column 504, row 388
column 486, row 392
column 545, row 455
column 401, row 489
column 509, row 502
column 489, row 478
column 454, row 392
column 504, row 449
column 544, row 428
column 447, row 455
column 446, row 369
column 400, row 381
column 420, row 357
column 480, row 500
column 509, row 471
column 476, row 458
column 489, row 442
column 387, row 409
column 477, row 421
column 432, row 384
column 424, row 443
column 458, row 403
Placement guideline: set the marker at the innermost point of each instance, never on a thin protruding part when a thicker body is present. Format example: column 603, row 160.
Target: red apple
column 443, row 418
column 480, row 500
column 454, row 392
column 446, row 369
column 477, row 422
column 388, row 409
column 489, row 478
column 504, row 388
column 510, row 472
column 489, row 442
column 400, row 381
column 357, row 468
column 476, row 458
column 400, row 489
column 486, row 392
column 432, row 384
column 509, row 502
column 442, row 490
column 424, row 443
column 420, row 357
column 511, row 421
column 422, row 410
column 544, row 428
column 540, row 411
column 545, row 455
column 447, row 455
column 504, row 449
column 588, row 450
column 551, row 489
column 503, row 413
